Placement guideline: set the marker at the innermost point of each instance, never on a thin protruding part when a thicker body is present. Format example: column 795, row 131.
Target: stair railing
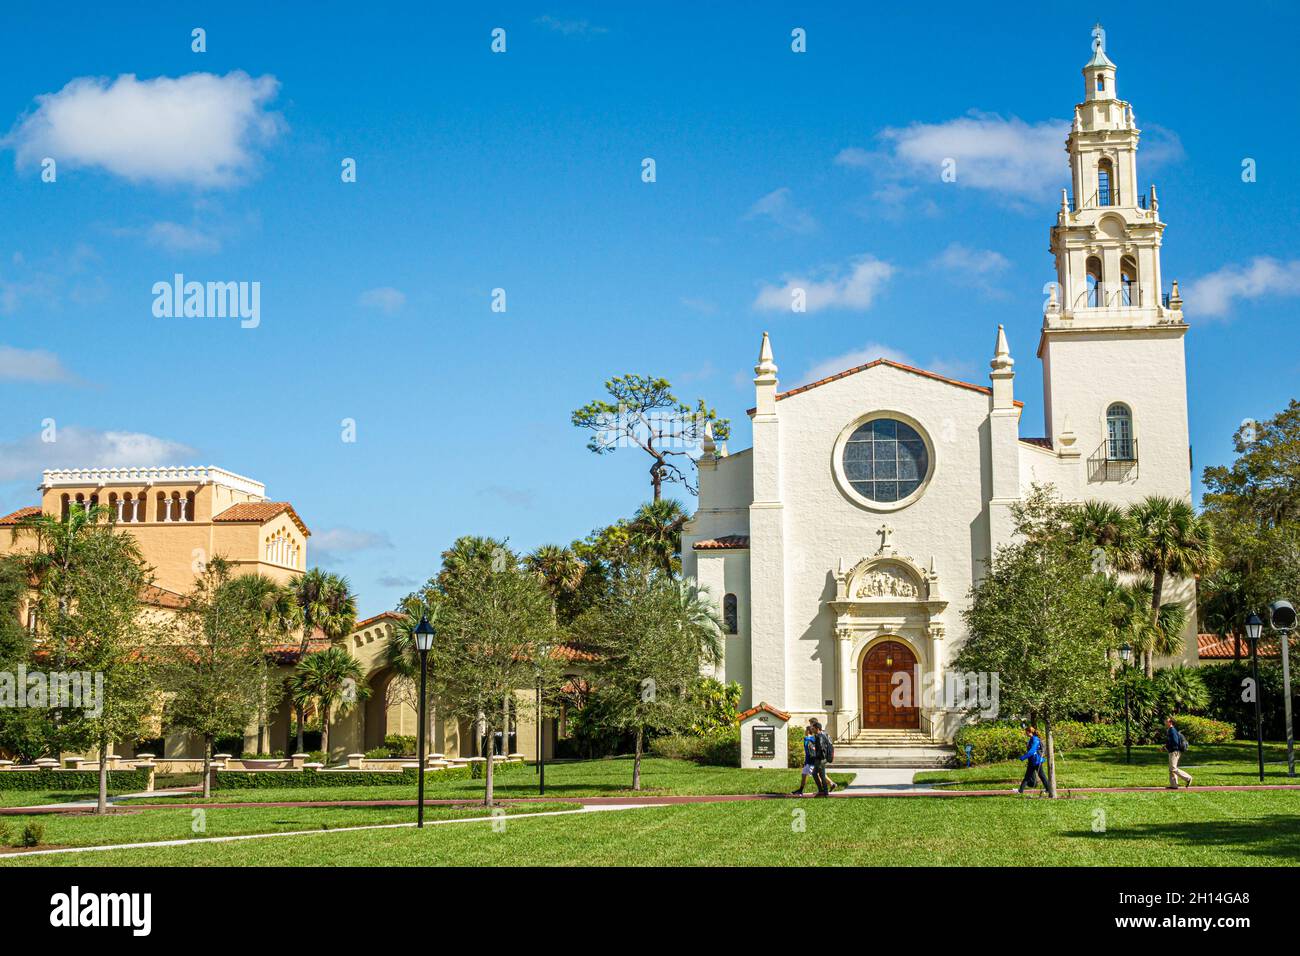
column 850, row 730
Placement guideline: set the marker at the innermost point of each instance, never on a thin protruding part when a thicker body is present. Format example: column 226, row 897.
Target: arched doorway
column 881, row 663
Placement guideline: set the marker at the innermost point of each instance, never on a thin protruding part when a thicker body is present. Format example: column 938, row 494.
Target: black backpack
column 825, row 747
column 1182, row 743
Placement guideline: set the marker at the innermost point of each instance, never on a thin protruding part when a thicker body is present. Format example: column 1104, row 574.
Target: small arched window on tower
column 1128, row 280
column 1106, row 184
column 1101, row 82
column 1119, row 433
column 730, row 621
column 1094, row 283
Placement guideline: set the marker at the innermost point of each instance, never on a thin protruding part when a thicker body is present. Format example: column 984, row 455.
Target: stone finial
column 765, row 371
column 1175, row 298
column 707, row 447
column 1002, row 360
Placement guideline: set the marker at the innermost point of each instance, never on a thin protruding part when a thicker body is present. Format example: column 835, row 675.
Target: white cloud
column 878, row 350
column 973, row 267
column 516, row 497
column 397, row 581
column 852, row 287
column 778, row 208
column 343, row 539
column 178, row 238
column 76, row 447
column 200, row 129
column 989, row 152
column 32, row 365
column 385, row 298
column 1213, row 295
column 570, row 27
column 847, row 360
column 1015, row 160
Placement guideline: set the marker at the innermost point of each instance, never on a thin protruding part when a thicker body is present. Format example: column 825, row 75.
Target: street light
column 423, row 643
column 1253, row 628
column 1125, row 653
column 1282, row 616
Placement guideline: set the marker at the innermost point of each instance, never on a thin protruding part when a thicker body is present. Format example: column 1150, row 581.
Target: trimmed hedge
column 280, row 779
column 1203, row 730
column 119, row 781
column 992, row 741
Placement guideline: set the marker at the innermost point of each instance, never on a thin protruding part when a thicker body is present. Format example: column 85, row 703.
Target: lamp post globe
column 423, row 634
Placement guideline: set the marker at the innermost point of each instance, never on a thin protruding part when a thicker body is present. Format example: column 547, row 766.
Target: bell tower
column 1114, row 377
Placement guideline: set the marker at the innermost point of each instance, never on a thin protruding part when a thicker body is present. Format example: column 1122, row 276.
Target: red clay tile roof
column 728, row 542
column 1042, row 442
column 1212, row 647
column 161, row 597
column 381, row 616
column 983, row 389
column 571, row 654
column 260, row 512
column 763, row 706
column 19, row 515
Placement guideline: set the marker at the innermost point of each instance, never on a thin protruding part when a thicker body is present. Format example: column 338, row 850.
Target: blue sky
column 522, row 171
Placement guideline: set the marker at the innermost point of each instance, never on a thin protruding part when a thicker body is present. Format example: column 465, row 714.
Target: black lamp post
column 423, row 642
column 1281, row 615
column 1125, row 653
column 1253, row 628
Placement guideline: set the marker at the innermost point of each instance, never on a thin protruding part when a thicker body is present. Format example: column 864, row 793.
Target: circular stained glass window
column 885, row 460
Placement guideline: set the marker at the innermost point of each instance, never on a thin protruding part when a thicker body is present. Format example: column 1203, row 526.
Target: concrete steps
column 892, row 748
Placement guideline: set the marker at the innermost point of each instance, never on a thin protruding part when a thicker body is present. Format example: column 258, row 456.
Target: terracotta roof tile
column 381, row 616
column 728, row 542
column 1041, row 442
column 260, row 512
column 19, row 515
column 1212, row 647
column 764, row 706
column 571, row 654
column 161, row 597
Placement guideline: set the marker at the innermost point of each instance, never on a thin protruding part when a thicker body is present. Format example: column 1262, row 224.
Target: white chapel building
column 840, row 548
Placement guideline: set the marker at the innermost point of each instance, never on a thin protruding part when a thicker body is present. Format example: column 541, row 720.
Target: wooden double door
column 878, row 669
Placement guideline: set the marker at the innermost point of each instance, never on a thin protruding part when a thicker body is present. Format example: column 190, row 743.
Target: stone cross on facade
column 884, row 531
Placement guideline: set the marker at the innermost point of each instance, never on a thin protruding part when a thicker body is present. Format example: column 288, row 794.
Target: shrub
column 714, row 705
column 6, row 832
column 401, row 745
column 278, row 779
column 1203, row 730
column 379, row 753
column 719, row 748
column 69, row 781
column 794, row 742
column 990, row 741
column 33, row 834
column 1224, row 682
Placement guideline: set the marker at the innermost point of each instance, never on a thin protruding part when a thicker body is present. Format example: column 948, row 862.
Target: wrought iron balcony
column 1116, row 459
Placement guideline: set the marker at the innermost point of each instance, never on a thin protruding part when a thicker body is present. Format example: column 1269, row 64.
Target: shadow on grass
column 1276, row 836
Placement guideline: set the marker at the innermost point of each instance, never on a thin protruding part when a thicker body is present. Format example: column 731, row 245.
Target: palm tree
column 324, row 600
column 1106, row 526
column 656, row 532
column 560, row 571
column 330, row 677
column 1170, row 539
column 279, row 616
column 1225, row 603
column 699, row 616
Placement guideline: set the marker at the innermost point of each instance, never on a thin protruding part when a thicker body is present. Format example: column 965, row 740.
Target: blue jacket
column 1035, row 752
column 1171, row 739
column 809, row 749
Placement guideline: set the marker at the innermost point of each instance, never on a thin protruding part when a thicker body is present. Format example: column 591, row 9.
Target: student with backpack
column 824, row 753
column 809, row 758
column 1033, row 758
column 1176, row 744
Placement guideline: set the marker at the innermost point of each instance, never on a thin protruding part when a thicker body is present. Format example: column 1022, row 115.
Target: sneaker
column 1188, row 783
column 796, row 793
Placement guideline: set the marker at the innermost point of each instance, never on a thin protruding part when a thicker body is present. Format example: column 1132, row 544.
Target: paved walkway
column 871, row 788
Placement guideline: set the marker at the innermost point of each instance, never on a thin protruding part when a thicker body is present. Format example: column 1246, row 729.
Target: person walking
column 809, row 758
column 823, row 752
column 1033, row 758
column 1176, row 744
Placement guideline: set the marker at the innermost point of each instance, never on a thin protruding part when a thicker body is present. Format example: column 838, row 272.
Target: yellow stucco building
column 181, row 517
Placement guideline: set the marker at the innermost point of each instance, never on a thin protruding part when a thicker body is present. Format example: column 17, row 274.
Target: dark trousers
column 1030, row 771
column 819, row 775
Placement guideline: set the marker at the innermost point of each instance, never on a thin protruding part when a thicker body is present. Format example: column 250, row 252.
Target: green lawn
column 1183, row 829
column 1217, row 764
column 142, row 826
column 576, row 778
